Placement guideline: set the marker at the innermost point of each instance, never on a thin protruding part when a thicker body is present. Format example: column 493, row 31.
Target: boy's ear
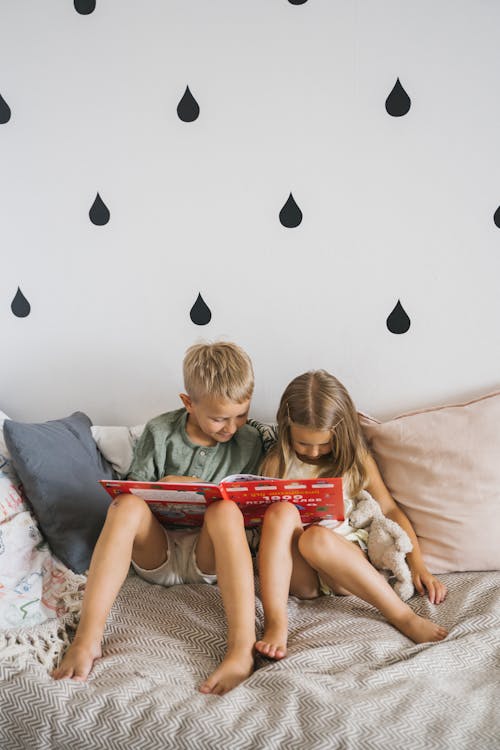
column 186, row 400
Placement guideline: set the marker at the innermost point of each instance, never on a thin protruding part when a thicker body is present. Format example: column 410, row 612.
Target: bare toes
column 230, row 673
column 207, row 687
column 270, row 650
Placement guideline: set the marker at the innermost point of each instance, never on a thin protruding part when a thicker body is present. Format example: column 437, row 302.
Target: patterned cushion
column 268, row 432
column 11, row 498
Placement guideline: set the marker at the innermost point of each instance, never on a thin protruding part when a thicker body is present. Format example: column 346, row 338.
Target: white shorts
column 180, row 565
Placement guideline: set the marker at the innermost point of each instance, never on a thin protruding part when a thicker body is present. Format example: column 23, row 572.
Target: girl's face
column 310, row 446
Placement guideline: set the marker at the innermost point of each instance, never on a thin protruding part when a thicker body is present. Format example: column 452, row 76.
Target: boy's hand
column 173, row 478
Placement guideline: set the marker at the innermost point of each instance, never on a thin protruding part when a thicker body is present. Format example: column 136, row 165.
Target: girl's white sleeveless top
column 309, row 471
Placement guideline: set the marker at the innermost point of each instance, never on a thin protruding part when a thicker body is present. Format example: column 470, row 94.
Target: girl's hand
column 425, row 581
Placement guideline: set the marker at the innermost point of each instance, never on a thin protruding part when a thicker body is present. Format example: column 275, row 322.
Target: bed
column 350, row 680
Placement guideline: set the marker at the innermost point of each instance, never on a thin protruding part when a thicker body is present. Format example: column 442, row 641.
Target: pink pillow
column 442, row 466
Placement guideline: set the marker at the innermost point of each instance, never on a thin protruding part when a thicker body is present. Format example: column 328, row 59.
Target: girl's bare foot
column 234, row 668
column 419, row 629
column 273, row 641
column 78, row 661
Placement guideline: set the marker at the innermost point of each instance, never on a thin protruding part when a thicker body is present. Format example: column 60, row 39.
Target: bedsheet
column 350, row 679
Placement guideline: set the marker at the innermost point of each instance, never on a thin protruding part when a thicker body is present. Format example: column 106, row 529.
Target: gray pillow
column 60, row 465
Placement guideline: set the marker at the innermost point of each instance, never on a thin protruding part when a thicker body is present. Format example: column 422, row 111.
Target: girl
column 319, row 436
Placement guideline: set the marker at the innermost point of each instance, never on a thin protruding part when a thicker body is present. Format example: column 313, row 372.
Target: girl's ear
column 186, row 400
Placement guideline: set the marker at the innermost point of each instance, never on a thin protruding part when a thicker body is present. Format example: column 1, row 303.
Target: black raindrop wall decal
column 188, row 108
column 398, row 321
column 297, row 2
column 99, row 212
column 398, row 102
column 84, row 7
column 496, row 217
column 200, row 313
column 290, row 214
column 4, row 111
column 20, row 305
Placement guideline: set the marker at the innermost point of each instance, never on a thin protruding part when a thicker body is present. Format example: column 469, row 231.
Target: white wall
column 292, row 99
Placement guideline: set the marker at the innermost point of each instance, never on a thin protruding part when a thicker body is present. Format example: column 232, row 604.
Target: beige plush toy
column 387, row 543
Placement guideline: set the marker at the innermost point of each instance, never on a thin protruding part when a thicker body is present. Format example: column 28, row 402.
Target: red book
column 183, row 504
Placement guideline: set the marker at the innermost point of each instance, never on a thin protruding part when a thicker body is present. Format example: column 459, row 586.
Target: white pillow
column 117, row 444
column 3, row 448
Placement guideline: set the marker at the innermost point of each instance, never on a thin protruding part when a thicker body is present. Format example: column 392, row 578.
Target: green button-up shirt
column 164, row 448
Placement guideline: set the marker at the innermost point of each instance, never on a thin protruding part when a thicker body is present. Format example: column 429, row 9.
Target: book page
column 244, row 478
column 172, row 496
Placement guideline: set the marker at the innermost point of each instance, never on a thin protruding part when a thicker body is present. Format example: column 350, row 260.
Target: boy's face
column 214, row 419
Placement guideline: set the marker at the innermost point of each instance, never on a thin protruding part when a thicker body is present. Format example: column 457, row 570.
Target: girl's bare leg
column 130, row 530
column 223, row 549
column 344, row 567
column 282, row 570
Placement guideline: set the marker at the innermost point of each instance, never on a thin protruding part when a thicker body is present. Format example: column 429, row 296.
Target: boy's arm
column 147, row 462
column 143, row 467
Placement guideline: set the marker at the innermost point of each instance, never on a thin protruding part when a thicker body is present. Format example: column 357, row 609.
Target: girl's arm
column 422, row 579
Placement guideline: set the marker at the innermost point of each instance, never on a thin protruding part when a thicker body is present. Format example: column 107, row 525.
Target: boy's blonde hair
column 220, row 370
column 318, row 401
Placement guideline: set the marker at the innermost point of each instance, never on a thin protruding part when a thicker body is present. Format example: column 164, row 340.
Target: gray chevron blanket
column 350, row 680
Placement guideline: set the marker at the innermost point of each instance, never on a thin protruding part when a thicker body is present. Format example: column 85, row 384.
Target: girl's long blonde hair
column 318, row 401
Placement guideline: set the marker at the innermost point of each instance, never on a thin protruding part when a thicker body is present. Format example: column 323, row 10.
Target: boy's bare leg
column 130, row 530
column 223, row 549
column 282, row 569
column 345, row 568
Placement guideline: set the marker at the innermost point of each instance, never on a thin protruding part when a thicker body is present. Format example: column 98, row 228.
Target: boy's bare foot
column 233, row 669
column 273, row 642
column 419, row 629
column 77, row 662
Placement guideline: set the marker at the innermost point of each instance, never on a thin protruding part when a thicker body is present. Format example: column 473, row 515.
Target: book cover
column 183, row 504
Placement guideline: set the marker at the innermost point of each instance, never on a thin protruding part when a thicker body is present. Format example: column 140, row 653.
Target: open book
column 183, row 504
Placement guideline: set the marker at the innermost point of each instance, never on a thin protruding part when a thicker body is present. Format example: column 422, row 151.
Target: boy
column 207, row 439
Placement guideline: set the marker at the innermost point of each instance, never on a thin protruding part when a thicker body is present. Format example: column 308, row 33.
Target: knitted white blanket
column 40, row 598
